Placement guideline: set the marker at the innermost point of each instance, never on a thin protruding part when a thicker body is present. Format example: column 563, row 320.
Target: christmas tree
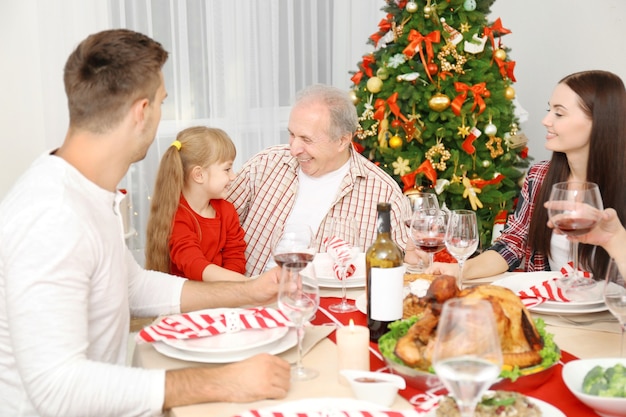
column 436, row 106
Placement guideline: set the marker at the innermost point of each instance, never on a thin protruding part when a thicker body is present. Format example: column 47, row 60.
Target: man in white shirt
column 67, row 281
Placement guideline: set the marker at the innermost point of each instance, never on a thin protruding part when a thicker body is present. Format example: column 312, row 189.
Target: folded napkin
column 327, row 413
column 341, row 252
column 209, row 323
column 548, row 290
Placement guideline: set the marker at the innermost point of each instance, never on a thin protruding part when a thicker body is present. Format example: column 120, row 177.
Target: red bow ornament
column 478, row 90
column 415, row 38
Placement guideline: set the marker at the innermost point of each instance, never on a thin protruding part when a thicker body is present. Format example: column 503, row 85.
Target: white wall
column 36, row 37
column 550, row 39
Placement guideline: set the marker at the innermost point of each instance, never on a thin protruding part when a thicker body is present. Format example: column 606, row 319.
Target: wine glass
column 615, row 297
column 461, row 237
column 428, row 230
column 574, row 209
column 298, row 299
column 343, row 246
column 418, row 201
column 467, row 356
column 293, row 243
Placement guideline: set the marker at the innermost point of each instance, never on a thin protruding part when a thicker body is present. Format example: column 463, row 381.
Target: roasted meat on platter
column 519, row 337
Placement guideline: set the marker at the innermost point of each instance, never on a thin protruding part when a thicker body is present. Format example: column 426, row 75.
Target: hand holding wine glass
column 461, row 238
column 298, row 299
column 428, row 230
column 343, row 245
column 615, row 298
column 467, row 356
column 574, row 209
column 293, row 243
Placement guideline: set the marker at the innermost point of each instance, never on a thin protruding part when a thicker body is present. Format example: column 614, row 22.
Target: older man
column 316, row 177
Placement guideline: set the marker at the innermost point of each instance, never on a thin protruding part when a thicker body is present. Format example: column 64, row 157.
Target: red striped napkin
column 548, row 290
column 212, row 322
column 327, row 413
column 341, row 252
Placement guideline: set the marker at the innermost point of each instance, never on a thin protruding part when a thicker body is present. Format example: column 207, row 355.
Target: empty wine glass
column 428, row 230
column 418, row 201
column 343, row 245
column 461, row 238
column 615, row 298
column 298, row 299
column 467, row 356
column 293, row 243
column 574, row 209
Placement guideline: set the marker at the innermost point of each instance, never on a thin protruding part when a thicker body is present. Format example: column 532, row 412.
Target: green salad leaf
column 550, row 353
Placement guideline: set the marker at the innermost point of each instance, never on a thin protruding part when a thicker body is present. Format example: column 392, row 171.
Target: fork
column 587, row 322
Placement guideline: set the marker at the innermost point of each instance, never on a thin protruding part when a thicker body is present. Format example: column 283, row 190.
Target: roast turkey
column 519, row 337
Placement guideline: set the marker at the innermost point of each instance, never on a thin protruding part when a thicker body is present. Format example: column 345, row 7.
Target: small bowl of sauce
column 378, row 387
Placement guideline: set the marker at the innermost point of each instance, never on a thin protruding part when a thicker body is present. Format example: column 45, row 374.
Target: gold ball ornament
column 427, row 11
column 374, row 85
column 486, row 163
column 500, row 54
column 353, row 97
column 395, row 142
column 509, row 93
column 382, row 73
column 411, row 7
column 439, row 102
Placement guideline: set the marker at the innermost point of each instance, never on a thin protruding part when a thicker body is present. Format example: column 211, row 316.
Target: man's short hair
column 109, row 71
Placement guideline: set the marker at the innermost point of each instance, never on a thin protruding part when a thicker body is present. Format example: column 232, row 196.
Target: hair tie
column 176, row 144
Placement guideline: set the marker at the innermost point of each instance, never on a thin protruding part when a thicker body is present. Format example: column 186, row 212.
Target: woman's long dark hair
column 603, row 98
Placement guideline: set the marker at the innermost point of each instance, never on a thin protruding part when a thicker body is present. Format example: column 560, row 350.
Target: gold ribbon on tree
column 415, row 38
column 478, row 90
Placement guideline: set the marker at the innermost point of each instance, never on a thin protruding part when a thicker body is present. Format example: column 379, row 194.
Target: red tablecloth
column 553, row 391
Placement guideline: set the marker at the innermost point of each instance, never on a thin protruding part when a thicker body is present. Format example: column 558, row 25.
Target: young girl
column 192, row 231
column 586, row 131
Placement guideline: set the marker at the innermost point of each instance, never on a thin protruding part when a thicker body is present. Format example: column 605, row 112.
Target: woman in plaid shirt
column 586, row 130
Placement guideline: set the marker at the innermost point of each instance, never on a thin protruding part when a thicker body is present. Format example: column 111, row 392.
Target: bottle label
column 386, row 293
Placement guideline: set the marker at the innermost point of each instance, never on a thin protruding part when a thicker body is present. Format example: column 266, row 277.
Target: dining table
column 588, row 335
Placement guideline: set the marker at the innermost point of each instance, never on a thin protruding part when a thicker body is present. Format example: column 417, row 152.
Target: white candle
column 353, row 344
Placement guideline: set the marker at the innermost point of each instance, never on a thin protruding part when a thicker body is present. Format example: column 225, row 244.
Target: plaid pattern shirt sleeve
column 513, row 244
column 264, row 194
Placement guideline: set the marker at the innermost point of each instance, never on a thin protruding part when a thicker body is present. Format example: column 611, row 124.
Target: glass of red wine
column 293, row 243
column 574, row 209
column 428, row 230
column 418, row 201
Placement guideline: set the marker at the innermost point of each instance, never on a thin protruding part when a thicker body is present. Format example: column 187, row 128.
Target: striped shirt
column 264, row 194
column 513, row 243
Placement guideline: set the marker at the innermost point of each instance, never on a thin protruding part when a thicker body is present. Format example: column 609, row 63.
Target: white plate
column 547, row 410
column 326, row 404
column 361, row 303
column 523, row 280
column 275, row 348
column 228, row 342
column 326, row 277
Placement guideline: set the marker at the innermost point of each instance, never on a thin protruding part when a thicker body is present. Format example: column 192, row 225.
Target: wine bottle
column 385, row 272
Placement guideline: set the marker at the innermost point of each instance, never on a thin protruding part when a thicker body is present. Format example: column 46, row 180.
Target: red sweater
column 197, row 241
